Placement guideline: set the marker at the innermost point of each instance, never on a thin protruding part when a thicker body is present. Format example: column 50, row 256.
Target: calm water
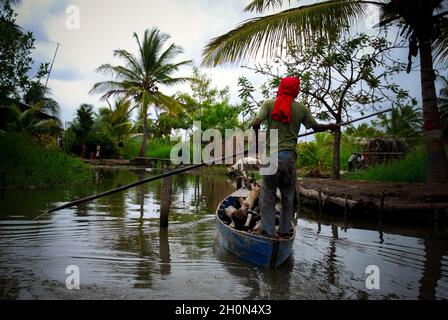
column 121, row 254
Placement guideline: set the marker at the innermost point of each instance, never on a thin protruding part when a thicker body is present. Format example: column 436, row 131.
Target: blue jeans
column 285, row 180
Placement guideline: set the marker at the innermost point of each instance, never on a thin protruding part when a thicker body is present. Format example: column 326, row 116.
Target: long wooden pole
column 137, row 183
column 171, row 173
column 351, row 121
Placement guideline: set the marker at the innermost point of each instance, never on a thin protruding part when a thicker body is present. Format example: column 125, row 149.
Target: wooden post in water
column 320, row 210
column 165, row 201
column 346, row 212
column 320, row 203
column 383, row 196
column 299, row 202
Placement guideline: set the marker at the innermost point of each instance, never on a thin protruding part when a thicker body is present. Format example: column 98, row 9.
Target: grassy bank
column 411, row 169
column 156, row 148
column 27, row 165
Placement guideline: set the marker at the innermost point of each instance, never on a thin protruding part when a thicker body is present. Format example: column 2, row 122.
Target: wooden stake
column 383, row 196
column 165, row 202
column 320, row 203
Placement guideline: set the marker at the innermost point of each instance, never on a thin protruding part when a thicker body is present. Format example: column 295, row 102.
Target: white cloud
column 107, row 25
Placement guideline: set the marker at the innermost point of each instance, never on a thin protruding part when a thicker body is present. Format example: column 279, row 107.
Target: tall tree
column 443, row 106
column 423, row 22
column 141, row 75
column 339, row 77
column 403, row 122
column 15, row 56
column 116, row 118
column 83, row 124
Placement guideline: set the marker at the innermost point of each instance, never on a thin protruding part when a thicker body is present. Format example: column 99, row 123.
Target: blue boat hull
column 257, row 249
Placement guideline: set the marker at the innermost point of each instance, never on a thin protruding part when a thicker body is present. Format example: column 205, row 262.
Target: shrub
column 411, row 169
column 26, row 164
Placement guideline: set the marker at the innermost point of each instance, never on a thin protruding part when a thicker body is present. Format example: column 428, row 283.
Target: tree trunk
column 437, row 163
column 337, row 154
column 145, row 132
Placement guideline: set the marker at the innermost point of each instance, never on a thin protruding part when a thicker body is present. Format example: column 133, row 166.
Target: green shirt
column 287, row 132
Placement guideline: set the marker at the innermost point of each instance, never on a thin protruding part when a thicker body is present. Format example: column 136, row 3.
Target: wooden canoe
column 257, row 249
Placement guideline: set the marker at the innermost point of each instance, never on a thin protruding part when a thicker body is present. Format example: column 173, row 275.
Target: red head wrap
column 287, row 91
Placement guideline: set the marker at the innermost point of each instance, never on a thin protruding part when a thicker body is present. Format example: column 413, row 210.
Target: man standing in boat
column 285, row 115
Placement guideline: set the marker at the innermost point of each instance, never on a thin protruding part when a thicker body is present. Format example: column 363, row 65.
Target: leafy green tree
column 210, row 105
column 82, row 125
column 141, row 76
column 364, row 130
column 443, row 106
column 339, row 77
column 423, row 22
column 31, row 121
column 316, row 155
column 403, row 122
column 15, row 56
column 37, row 92
column 115, row 120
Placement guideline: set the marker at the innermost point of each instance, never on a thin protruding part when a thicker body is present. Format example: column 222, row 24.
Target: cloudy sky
column 106, row 25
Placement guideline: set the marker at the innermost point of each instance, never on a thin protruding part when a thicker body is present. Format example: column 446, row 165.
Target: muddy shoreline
column 375, row 198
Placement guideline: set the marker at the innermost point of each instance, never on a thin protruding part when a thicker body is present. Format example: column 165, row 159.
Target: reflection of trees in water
column 164, row 252
column 82, row 209
column 435, row 249
column 196, row 239
column 146, row 264
column 330, row 258
column 263, row 283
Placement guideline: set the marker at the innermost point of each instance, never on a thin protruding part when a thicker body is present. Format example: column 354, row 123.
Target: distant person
column 286, row 115
column 355, row 162
column 98, row 149
column 351, row 162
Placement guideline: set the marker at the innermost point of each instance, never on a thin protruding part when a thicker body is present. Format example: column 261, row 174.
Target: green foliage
column 15, row 56
column 83, row 122
column 30, row 120
column 26, row 164
column 364, row 130
column 317, row 156
column 141, row 76
column 115, row 120
column 411, row 169
column 403, row 122
column 82, row 137
column 210, row 105
column 443, row 106
column 156, row 148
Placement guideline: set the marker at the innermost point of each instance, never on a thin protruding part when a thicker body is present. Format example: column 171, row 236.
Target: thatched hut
column 380, row 151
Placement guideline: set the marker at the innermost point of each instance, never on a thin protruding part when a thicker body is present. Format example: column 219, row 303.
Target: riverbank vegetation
column 412, row 169
column 340, row 81
column 29, row 165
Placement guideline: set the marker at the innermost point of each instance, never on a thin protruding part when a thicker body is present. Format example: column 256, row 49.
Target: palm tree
column 423, row 22
column 443, row 106
column 37, row 92
column 403, row 122
column 116, row 118
column 142, row 74
column 32, row 120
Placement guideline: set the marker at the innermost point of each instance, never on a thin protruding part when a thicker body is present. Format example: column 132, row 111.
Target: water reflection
column 262, row 283
column 435, row 250
column 122, row 253
column 164, row 252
